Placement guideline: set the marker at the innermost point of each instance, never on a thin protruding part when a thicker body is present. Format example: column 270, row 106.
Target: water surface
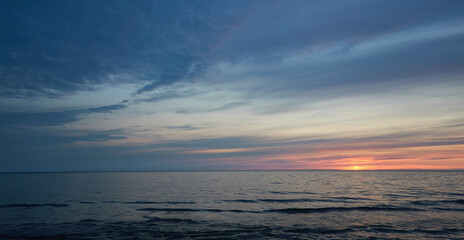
column 233, row 205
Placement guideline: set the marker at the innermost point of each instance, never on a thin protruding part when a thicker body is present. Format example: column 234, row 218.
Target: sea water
column 233, row 205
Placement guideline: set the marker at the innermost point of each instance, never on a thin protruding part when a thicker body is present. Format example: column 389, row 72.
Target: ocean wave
column 352, row 198
column 342, row 209
column 171, row 220
column 417, row 230
column 178, row 228
column 437, row 202
column 195, row 210
column 292, row 200
column 24, row 205
column 241, row 201
column 439, row 231
column 286, row 192
column 449, row 209
column 288, row 210
column 457, row 201
column 278, row 200
column 89, row 220
column 319, row 230
column 455, row 194
column 298, row 200
column 160, row 202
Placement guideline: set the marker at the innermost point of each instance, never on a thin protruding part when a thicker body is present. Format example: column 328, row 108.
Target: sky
column 138, row 85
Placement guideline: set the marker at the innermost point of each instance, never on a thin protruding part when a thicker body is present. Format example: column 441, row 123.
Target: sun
column 354, row 168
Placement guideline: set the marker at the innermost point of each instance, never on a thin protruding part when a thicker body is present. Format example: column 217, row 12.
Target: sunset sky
column 231, row 85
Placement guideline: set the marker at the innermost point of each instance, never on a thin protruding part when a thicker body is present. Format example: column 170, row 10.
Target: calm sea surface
column 233, row 205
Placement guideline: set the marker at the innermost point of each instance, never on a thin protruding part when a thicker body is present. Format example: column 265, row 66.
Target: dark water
column 233, row 205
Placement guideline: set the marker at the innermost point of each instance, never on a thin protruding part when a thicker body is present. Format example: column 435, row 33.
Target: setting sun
column 354, row 168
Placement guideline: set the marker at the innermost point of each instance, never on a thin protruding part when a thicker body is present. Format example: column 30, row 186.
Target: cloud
column 38, row 119
column 219, row 151
column 361, row 72
column 38, row 138
column 158, row 44
column 228, row 106
column 106, row 109
column 215, row 143
column 55, row 50
column 171, row 93
column 99, row 136
column 239, row 152
column 36, row 149
column 283, row 28
column 52, row 118
column 183, row 127
column 224, row 107
column 260, row 146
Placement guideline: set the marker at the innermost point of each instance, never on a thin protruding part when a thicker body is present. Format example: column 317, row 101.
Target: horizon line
column 230, row 170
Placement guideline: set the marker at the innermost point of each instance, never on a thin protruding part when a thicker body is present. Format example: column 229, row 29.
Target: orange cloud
column 225, row 150
column 357, row 158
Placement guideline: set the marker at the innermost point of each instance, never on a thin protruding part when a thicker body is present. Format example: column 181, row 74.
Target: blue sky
column 190, row 85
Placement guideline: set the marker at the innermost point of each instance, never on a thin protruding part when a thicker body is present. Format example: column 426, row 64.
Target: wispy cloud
column 219, row 151
column 52, row 118
column 183, row 127
column 106, row 109
column 224, row 107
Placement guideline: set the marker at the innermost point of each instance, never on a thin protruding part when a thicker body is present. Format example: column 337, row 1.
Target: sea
column 233, row 205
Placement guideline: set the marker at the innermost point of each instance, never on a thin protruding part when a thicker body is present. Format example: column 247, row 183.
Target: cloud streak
column 52, row 118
